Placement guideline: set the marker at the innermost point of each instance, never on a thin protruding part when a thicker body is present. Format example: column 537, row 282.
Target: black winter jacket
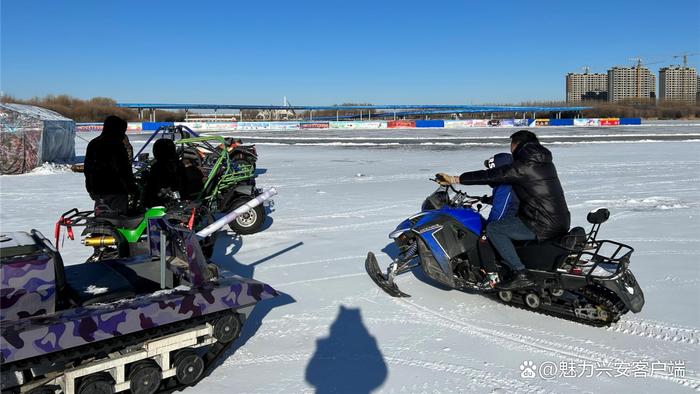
column 108, row 166
column 534, row 179
column 162, row 175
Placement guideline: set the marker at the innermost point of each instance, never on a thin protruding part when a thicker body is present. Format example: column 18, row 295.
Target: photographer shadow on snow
column 348, row 360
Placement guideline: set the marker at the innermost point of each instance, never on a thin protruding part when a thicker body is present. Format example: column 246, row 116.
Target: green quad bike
column 227, row 186
column 117, row 236
column 229, row 183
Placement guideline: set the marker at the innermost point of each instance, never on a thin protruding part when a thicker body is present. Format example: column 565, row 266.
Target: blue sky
column 329, row 52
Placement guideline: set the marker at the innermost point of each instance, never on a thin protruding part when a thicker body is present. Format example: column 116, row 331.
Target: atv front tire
column 250, row 222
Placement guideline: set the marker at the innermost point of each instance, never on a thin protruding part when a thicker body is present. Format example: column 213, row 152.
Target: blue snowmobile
column 576, row 275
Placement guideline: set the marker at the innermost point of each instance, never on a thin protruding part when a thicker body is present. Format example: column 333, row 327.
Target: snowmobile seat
column 547, row 255
column 93, row 283
column 542, row 255
column 121, row 221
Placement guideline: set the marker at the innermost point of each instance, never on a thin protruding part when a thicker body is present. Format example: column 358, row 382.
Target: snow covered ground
column 333, row 330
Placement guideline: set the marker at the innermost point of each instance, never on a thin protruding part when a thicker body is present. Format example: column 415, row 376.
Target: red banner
column 609, row 121
column 314, row 125
column 395, row 124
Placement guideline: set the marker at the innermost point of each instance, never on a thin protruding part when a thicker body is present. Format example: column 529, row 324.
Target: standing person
column 543, row 212
column 504, row 204
column 108, row 176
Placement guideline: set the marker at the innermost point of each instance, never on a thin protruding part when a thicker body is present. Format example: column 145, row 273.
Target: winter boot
column 490, row 281
column 519, row 281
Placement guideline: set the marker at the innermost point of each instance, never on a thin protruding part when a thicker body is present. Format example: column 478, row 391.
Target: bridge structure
column 359, row 111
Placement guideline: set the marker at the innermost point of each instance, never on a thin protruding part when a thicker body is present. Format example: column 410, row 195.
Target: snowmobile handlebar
column 455, row 190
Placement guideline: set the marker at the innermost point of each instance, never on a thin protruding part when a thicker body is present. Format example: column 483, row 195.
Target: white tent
column 30, row 136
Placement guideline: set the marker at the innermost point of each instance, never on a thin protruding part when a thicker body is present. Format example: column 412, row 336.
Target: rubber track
column 596, row 294
column 108, row 346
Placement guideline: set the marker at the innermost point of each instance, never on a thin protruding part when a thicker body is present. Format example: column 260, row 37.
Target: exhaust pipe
column 102, row 240
column 231, row 216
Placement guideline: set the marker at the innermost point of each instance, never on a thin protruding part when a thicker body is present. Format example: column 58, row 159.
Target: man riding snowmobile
column 543, row 213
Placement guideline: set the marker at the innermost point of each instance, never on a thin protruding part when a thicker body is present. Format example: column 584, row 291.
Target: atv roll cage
column 223, row 173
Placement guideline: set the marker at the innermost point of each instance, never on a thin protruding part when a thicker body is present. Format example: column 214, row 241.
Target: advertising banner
column 284, row 125
column 500, row 123
column 84, row 127
column 370, row 125
column 541, row 122
column 342, row 124
column 253, row 125
column 586, row 122
column 209, row 126
column 133, row 127
column 521, row 122
column 610, row 121
column 459, row 124
column 480, row 123
column 314, row 125
column 394, row 124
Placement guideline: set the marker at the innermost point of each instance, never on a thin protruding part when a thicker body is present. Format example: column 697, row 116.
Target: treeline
column 95, row 109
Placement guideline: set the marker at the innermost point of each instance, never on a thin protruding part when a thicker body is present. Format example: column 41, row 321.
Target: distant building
column 631, row 83
column 586, row 87
column 678, row 84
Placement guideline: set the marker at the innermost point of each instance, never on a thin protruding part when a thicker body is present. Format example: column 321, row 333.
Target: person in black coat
column 543, row 213
column 108, row 176
column 166, row 174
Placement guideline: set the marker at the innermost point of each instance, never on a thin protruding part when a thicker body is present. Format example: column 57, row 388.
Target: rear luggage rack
column 602, row 259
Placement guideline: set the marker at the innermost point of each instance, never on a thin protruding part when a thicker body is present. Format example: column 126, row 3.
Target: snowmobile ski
column 383, row 281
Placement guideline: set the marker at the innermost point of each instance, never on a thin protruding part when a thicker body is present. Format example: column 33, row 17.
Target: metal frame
column 158, row 350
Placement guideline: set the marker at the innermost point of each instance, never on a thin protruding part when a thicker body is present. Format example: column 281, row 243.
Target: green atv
column 228, row 185
column 115, row 236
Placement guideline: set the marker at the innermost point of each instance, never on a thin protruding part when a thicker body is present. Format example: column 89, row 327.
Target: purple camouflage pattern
column 27, row 287
column 31, row 327
column 40, row 335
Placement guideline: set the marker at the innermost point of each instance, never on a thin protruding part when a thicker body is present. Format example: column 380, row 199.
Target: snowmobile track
column 541, row 345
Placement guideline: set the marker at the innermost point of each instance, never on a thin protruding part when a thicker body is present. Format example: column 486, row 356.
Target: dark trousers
column 113, row 203
column 503, row 232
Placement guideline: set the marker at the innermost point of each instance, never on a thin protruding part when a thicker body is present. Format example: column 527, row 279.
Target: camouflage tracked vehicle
column 146, row 324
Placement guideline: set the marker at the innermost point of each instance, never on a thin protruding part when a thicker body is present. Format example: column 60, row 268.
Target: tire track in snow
column 350, row 214
column 298, row 282
column 269, row 233
column 657, row 331
column 333, row 260
column 542, row 345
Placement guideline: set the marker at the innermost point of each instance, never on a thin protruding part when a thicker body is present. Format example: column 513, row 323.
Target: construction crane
column 639, row 65
column 685, row 57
